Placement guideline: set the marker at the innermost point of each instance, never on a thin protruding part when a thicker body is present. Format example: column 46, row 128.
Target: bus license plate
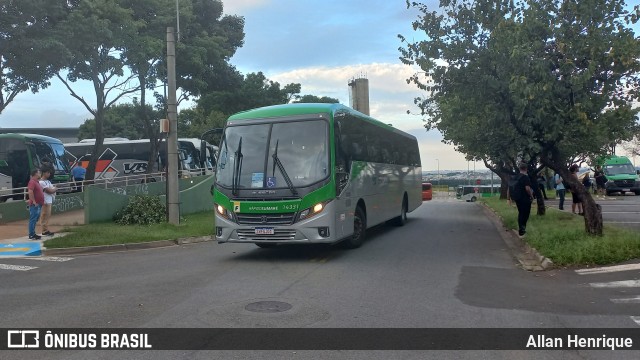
column 264, row 231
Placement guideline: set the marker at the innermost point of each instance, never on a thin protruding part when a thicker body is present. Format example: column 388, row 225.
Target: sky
column 321, row 44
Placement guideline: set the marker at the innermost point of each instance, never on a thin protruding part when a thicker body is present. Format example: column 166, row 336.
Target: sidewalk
column 17, row 231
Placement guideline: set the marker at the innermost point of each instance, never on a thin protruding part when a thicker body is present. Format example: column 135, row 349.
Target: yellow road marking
column 14, row 249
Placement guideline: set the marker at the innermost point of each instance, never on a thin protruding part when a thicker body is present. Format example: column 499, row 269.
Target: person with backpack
column 520, row 191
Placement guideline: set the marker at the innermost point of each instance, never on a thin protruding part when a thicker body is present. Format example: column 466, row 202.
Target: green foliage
column 142, row 210
column 122, row 120
column 316, row 99
column 31, row 53
column 560, row 236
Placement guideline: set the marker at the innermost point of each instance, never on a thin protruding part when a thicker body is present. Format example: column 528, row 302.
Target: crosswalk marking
column 629, row 300
column 616, row 284
column 48, row 258
column 608, row 269
column 16, row 267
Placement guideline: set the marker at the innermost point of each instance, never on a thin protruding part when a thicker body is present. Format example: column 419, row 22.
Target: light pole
column 438, row 172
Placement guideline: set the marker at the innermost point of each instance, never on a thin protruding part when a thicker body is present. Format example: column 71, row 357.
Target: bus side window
column 343, row 158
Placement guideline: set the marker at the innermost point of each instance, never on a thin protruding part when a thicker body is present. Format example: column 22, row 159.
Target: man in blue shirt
column 78, row 173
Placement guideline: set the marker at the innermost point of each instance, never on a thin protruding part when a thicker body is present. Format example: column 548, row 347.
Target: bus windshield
column 53, row 152
column 302, row 150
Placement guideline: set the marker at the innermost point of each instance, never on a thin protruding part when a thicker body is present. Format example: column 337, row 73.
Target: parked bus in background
column 127, row 158
column 206, row 154
column 471, row 193
column 312, row 173
column 427, row 191
column 20, row 153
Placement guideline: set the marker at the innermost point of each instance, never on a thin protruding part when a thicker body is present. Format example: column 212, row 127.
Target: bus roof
column 304, row 109
column 30, row 136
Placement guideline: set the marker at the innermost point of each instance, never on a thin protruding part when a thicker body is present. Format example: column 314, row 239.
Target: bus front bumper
column 316, row 230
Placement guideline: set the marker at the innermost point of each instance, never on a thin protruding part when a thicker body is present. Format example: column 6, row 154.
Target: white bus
column 127, row 158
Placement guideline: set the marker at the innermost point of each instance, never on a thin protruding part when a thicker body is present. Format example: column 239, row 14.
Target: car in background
column 427, row 191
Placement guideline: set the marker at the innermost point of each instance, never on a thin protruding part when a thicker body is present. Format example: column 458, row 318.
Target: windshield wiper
column 276, row 161
column 237, row 168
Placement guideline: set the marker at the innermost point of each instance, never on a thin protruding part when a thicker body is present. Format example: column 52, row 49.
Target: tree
column 555, row 78
column 254, row 91
column 316, row 99
column 95, row 34
column 122, row 120
column 31, row 54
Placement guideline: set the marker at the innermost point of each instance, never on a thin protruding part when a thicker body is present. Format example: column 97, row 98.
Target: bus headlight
column 220, row 210
column 312, row 211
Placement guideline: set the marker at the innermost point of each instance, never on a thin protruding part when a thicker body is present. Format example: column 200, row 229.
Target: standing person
column 601, row 180
column 577, row 200
column 78, row 173
column 560, row 190
column 523, row 196
column 49, row 196
column 542, row 184
column 34, row 202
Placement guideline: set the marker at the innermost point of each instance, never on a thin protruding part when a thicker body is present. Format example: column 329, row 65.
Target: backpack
column 515, row 191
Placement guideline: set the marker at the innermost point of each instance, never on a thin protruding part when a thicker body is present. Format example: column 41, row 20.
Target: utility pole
column 173, row 195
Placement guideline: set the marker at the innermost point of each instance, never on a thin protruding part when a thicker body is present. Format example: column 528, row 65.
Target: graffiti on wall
column 67, row 203
column 140, row 189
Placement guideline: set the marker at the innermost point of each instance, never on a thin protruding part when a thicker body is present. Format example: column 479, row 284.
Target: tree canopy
column 540, row 81
column 30, row 53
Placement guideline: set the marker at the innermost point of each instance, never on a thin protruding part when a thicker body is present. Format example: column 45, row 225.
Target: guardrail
column 78, row 186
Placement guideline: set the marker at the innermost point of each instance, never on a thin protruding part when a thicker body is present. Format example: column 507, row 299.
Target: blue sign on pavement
column 21, row 249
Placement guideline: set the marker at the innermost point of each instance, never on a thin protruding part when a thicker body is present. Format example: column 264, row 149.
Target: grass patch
column 199, row 224
column 561, row 237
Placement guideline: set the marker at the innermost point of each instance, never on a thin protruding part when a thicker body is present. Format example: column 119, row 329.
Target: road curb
column 86, row 250
column 528, row 257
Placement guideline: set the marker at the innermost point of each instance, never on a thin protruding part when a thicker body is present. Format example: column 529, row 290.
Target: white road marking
column 617, row 284
column 16, row 267
column 47, row 258
column 608, row 269
column 636, row 319
column 629, row 300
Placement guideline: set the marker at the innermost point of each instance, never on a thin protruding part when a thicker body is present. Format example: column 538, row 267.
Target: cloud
column 236, row 7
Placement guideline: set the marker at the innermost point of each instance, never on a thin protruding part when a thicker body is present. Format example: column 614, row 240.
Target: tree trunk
column 593, row 223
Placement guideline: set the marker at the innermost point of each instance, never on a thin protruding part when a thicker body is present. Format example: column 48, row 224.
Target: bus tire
column 473, row 199
column 359, row 230
column 402, row 219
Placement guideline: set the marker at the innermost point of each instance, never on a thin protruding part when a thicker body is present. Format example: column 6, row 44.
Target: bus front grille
column 265, row 219
column 279, row 235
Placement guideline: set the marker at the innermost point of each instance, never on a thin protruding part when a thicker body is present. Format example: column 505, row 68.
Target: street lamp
column 438, row 172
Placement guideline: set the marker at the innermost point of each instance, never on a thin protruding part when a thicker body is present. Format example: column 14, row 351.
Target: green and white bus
column 20, row 153
column 312, row 173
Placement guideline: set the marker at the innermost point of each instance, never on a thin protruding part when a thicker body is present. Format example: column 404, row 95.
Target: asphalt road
column 617, row 210
column 447, row 267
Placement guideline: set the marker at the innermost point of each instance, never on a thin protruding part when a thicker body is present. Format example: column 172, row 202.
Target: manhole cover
column 268, row 306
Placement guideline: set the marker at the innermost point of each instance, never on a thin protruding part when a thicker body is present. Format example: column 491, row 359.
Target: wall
column 102, row 204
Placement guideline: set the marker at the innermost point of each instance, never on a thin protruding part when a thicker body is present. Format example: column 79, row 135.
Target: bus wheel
column 402, row 219
column 473, row 199
column 266, row 245
column 359, row 229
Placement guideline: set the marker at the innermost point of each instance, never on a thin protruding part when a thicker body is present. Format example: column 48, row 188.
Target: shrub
column 142, row 210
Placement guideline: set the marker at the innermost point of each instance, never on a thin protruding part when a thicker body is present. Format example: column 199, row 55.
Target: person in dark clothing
column 524, row 199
